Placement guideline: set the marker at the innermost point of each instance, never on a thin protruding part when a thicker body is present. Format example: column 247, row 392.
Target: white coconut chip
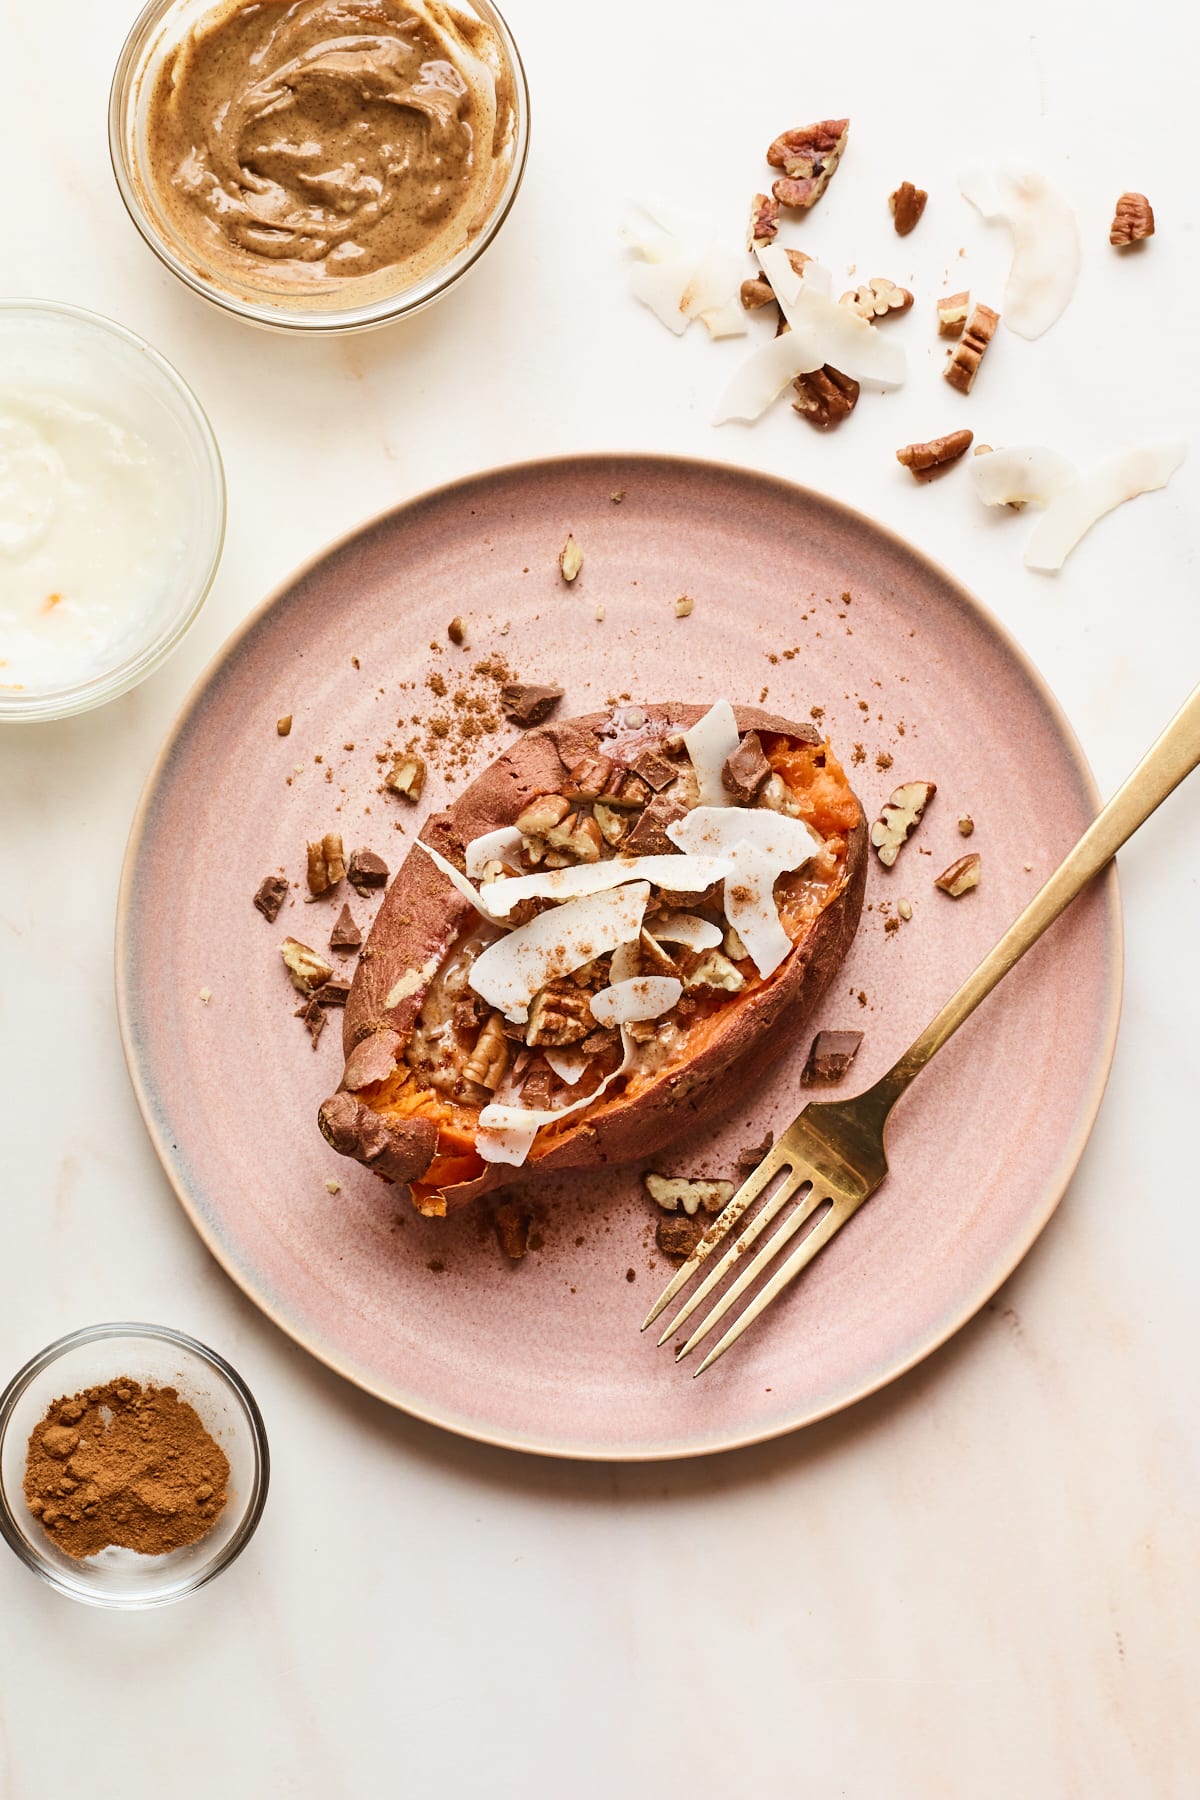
column 684, row 274
column 717, row 831
column 1045, row 235
column 751, row 910
column 1020, row 473
column 1073, row 513
column 629, row 1002
column 686, row 929
column 673, row 874
column 494, row 846
column 464, row 887
column 568, row 1064
column 506, row 1133
column 624, row 962
column 508, row 974
column 710, row 743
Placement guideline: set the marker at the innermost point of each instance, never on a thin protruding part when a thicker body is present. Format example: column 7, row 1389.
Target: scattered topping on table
column 952, row 313
column 512, row 1222
column 830, row 1056
column 456, row 631
column 308, row 970
column 1020, row 473
column 1046, row 251
column 677, row 1235
column 877, row 298
column 900, row 818
column 960, row 877
column 751, row 1155
column 334, row 992
column 345, row 934
column 365, row 870
column 407, row 776
column 672, row 1192
column 570, row 559
column 764, row 221
column 326, row 864
column 904, row 908
column 907, row 204
column 205, row 996
column 332, row 1186
column 825, row 397
column 936, row 453
column 684, row 274
column 272, row 892
column 962, row 368
column 314, row 1019
column 756, row 292
column 808, row 157
column 1073, row 512
column 283, row 726
column 525, row 703
column 966, row 825
column 1133, row 221
column 685, row 606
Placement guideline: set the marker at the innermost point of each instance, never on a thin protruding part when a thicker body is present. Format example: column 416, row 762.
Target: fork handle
column 1174, row 755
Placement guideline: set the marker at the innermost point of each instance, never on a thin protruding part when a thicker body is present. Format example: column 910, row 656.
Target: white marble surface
column 983, row 1582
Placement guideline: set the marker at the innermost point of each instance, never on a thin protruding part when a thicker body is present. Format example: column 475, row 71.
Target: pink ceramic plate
column 798, row 602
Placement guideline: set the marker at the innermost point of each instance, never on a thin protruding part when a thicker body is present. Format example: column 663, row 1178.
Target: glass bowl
column 101, row 364
column 161, row 26
column 119, row 1578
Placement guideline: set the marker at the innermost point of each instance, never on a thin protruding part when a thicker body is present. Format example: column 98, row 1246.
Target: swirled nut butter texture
column 298, row 146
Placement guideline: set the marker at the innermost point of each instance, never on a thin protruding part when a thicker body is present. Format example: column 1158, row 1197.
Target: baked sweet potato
column 601, row 982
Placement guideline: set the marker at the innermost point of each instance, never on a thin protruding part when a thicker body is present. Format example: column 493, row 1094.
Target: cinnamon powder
column 127, row 1465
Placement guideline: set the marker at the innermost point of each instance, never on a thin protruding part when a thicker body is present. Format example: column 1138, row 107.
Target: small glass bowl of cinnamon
column 165, row 1402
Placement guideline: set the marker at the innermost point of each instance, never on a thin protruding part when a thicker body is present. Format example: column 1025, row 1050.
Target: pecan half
column 808, row 157
column 326, row 863
column 952, row 313
column 936, row 453
column 825, row 397
column 489, row 1059
column 960, row 877
column 900, row 818
column 907, row 204
column 877, row 298
column 560, row 1014
column 963, row 366
column 1133, row 221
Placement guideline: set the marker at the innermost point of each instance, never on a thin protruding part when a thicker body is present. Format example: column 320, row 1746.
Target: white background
column 983, row 1582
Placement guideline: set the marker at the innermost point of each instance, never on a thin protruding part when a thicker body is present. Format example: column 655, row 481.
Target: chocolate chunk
column 526, row 704
column 512, row 1223
column 599, row 1043
column 830, row 1056
column 335, row 992
column 649, row 835
column 270, row 897
column 538, row 1086
column 654, row 770
column 749, row 1158
column 469, row 1013
column 677, row 1235
column 345, row 935
column 314, row 1018
column 366, row 870
column 746, row 770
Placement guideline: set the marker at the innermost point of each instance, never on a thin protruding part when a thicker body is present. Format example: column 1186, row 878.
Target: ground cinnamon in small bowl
column 124, row 1464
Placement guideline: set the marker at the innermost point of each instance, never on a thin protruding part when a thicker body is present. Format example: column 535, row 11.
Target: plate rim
column 445, row 1420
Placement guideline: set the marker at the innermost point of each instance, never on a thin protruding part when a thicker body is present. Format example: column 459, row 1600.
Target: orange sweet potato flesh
column 387, row 1119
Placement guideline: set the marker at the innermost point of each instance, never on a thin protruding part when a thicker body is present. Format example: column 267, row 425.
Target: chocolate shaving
column 272, row 893
column 830, row 1056
column 345, row 935
column 527, row 704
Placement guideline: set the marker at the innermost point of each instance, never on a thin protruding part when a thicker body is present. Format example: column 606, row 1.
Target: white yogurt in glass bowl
column 112, row 509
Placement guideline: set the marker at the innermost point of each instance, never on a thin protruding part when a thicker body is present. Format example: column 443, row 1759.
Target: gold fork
column 832, row 1156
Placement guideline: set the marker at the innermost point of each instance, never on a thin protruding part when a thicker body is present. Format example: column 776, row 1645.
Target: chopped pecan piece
column 764, row 221
column 877, row 298
column 560, row 1014
column 579, row 835
column 1133, row 221
column 406, row 776
column 960, row 877
column 283, row 726
column 829, row 1056
column 613, row 825
column 685, row 606
column 512, row 1222
column 272, row 892
column 907, row 204
column 715, row 971
column 808, row 157
column 936, row 453
column 542, row 814
column 588, row 778
column 900, row 818
column 756, row 292
column 366, row 870
column 524, row 703
column 952, row 313
column 326, row 863
column 826, row 396
column 456, row 631
column 489, row 1059
column 570, row 559
column 307, row 970
column 672, row 1192
column 745, row 770
column 963, row 366
column 966, row 825
column 677, row 1235
column 625, row 790
column 345, row 934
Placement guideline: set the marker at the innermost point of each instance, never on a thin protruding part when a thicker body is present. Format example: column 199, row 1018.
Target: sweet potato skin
column 422, row 915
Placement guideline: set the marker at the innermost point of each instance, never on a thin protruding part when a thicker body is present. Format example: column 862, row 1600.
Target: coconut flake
column 465, row 888
column 788, row 842
column 1095, row 493
column 628, row 1002
column 684, row 274
column 506, row 1133
column 674, row 874
column 751, row 910
column 1019, row 473
column 1045, row 234
column 684, row 928
column 568, row 1065
column 508, row 974
column 494, row 846
column 624, row 962
column 710, row 742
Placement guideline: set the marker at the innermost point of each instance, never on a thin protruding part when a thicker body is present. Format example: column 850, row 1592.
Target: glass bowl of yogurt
column 112, row 509
column 319, row 165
